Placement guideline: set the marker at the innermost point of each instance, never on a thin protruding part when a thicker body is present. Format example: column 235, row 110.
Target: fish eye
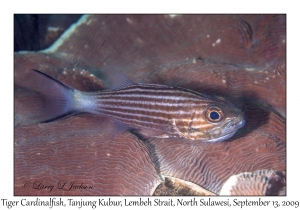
column 214, row 114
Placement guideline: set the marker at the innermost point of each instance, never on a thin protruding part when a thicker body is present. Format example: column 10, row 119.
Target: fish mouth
column 230, row 128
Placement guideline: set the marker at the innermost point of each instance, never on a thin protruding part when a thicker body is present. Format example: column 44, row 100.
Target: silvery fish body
column 164, row 111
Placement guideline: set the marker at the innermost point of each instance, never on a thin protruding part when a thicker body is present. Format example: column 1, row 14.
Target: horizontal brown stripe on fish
column 148, row 93
column 154, row 108
column 166, row 100
column 149, row 109
column 134, row 115
column 150, row 122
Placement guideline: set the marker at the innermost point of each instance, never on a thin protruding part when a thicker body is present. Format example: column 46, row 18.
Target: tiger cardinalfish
column 163, row 111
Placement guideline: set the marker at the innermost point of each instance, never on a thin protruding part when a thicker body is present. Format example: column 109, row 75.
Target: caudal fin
column 59, row 97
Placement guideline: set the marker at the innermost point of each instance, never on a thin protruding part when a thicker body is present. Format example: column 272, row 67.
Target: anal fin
column 114, row 128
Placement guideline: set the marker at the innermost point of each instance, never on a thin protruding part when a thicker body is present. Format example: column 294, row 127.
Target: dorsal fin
column 115, row 79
